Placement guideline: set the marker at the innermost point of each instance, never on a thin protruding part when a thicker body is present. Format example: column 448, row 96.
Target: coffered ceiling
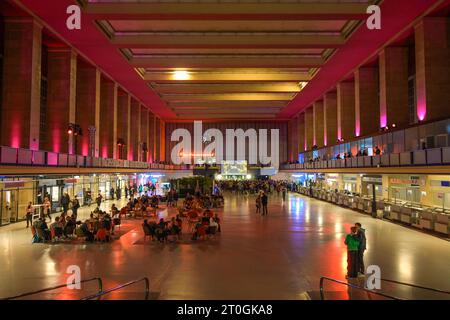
column 235, row 59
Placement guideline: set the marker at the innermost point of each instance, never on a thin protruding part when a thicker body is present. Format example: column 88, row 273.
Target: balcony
column 429, row 157
column 24, row 157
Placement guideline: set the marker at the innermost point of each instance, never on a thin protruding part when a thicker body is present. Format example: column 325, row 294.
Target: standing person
column 283, row 191
column 112, row 193
column 352, row 243
column 47, row 208
column 361, row 234
column 65, row 200
column 29, row 214
column 99, row 200
column 75, row 206
column 264, row 202
column 258, row 204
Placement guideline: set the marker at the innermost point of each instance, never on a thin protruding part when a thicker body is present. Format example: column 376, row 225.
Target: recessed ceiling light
column 181, row 75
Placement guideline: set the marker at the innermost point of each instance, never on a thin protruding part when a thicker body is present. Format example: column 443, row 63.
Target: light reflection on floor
column 275, row 257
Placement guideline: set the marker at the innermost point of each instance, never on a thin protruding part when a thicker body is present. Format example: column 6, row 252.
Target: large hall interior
column 225, row 150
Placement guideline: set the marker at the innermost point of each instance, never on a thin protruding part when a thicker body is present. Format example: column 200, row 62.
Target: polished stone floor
column 280, row 256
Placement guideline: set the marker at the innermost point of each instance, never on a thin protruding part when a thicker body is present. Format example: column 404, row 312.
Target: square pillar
column 346, row 110
column 151, row 133
column 133, row 149
column 394, row 86
column 162, row 141
column 309, row 128
column 330, row 118
column 87, row 109
column 20, row 121
column 433, row 68
column 122, row 124
column 366, row 101
column 108, row 107
column 301, row 132
column 318, row 124
column 143, row 134
column 61, row 100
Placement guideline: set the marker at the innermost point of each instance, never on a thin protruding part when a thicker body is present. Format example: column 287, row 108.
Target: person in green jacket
column 352, row 243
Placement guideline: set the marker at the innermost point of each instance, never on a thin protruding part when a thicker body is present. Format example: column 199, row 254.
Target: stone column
column 122, row 124
column 330, row 118
column 433, row 68
column 366, row 101
column 394, row 87
column 301, row 132
column 309, row 128
column 20, row 123
column 108, row 107
column 346, row 110
column 87, row 108
column 318, row 124
column 61, row 99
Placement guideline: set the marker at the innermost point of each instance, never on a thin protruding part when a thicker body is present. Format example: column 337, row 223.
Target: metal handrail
column 322, row 295
column 119, row 287
column 416, row 286
column 99, row 281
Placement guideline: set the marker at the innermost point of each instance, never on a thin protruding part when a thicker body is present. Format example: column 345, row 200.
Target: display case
column 427, row 218
column 405, row 215
column 442, row 223
column 395, row 213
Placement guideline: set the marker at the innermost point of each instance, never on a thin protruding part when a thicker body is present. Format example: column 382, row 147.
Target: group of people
column 202, row 201
column 356, row 246
column 100, row 226
column 165, row 231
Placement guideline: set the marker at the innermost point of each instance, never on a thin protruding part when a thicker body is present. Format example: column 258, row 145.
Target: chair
column 147, row 232
column 117, row 222
column 201, row 232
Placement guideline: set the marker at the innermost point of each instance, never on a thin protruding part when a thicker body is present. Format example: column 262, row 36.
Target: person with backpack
column 352, row 243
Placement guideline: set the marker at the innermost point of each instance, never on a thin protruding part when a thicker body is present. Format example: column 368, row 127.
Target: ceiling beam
column 229, row 76
column 228, row 104
column 227, row 61
column 222, row 111
column 246, row 116
column 226, row 87
column 237, row 11
column 229, row 97
column 227, row 40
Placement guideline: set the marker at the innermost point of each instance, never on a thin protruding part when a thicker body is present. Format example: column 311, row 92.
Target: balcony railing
column 429, row 157
column 25, row 157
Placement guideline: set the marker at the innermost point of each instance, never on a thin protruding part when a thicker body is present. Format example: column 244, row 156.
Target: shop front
column 14, row 198
column 351, row 183
column 406, row 188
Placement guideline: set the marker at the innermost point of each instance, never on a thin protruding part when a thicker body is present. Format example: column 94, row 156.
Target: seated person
column 205, row 219
column 161, row 231
column 102, row 235
column 213, row 226
column 217, row 220
column 199, row 231
column 86, row 231
column 70, row 226
column 174, row 228
column 56, row 228
column 42, row 230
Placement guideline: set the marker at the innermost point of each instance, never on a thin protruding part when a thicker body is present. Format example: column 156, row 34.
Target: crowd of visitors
column 99, row 227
